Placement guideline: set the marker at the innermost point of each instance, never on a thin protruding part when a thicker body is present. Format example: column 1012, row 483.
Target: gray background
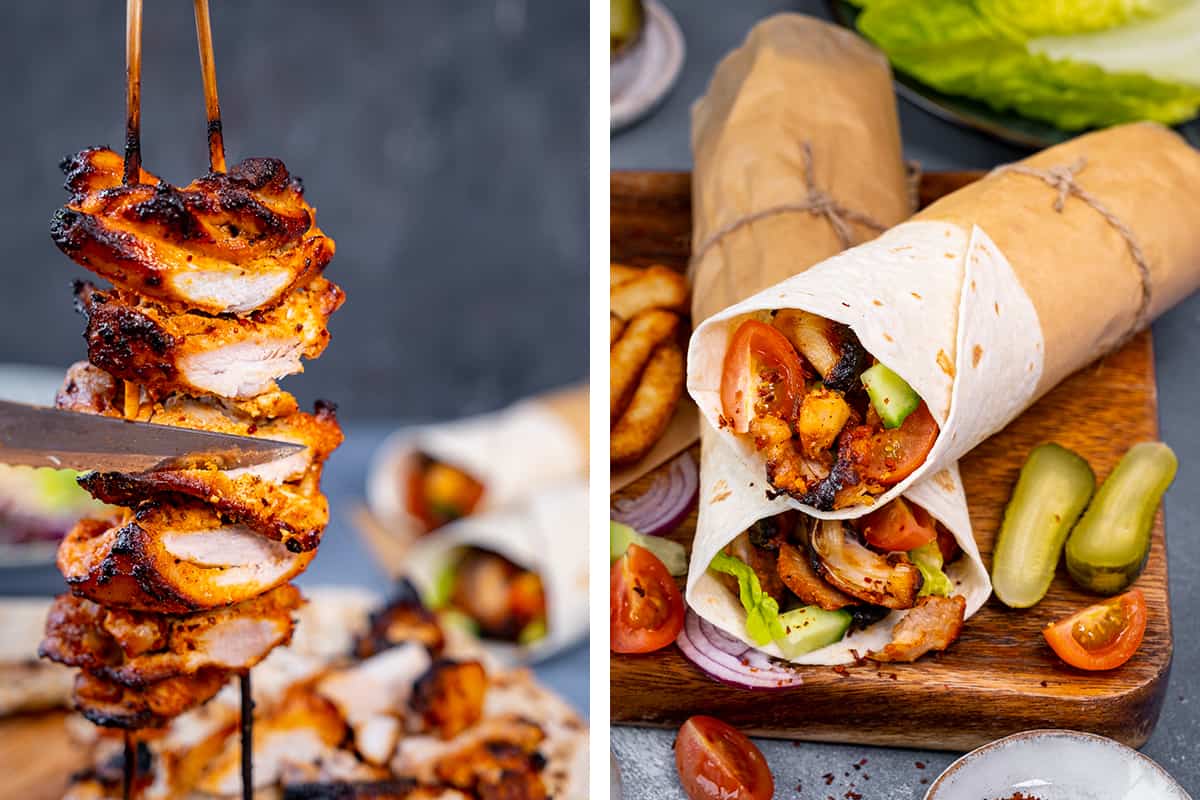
column 712, row 28
column 444, row 146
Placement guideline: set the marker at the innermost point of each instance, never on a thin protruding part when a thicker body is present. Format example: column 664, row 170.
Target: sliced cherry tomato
column 1103, row 636
column 759, row 354
column 899, row 525
column 888, row 456
column 717, row 762
column 645, row 609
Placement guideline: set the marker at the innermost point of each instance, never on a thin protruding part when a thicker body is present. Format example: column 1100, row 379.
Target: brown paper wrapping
column 1075, row 265
column 796, row 80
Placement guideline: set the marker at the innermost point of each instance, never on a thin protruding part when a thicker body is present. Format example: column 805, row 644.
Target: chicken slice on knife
column 173, row 558
column 136, row 648
column 280, row 499
column 227, row 243
column 142, row 341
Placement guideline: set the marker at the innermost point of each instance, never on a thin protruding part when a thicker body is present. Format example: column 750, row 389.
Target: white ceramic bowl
column 1055, row 765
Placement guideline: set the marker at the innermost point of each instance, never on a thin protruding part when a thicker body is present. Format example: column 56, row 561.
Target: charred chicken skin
column 227, row 243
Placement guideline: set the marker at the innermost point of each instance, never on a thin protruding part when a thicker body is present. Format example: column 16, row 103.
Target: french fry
column 629, row 355
column 656, row 287
column 620, row 273
column 651, row 407
column 615, row 326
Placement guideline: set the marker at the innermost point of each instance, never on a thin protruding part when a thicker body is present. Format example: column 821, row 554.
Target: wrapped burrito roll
column 517, row 576
column 858, row 579
column 802, row 113
column 974, row 309
column 424, row 478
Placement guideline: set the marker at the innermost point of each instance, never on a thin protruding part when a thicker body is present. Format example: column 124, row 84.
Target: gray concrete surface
column 443, row 144
column 713, row 27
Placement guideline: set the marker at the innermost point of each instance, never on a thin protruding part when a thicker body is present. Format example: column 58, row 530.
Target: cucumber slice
column 1107, row 549
column 1053, row 489
column 671, row 553
column 891, row 396
column 532, row 632
column 811, row 628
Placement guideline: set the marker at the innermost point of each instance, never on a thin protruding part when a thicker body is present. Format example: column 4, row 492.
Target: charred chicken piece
column 495, row 771
column 888, row 580
column 934, row 623
column 399, row 789
column 439, row 493
column 113, row 705
column 228, row 243
column 832, row 348
column 797, row 572
column 280, row 499
column 136, row 648
column 144, row 342
column 404, row 619
column 173, row 559
column 823, row 414
column 449, row 696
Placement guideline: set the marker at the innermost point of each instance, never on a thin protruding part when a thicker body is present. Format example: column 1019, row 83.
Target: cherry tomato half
column 758, row 353
column 1103, row 636
column 717, row 762
column 899, row 525
column 888, row 456
column 645, row 608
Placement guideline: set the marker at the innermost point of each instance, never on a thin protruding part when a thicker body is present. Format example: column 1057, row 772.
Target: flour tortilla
column 513, row 452
column 733, row 497
column 547, row 534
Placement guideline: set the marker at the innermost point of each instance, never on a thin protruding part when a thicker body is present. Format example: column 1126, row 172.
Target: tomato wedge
column 888, row 456
column 645, row 608
column 758, row 353
column 899, row 525
column 1103, row 636
column 717, row 762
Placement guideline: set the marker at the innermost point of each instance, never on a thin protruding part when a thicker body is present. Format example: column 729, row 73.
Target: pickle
column 1053, row 489
column 1108, row 548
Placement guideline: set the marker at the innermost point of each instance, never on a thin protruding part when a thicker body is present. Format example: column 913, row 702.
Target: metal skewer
column 212, row 106
column 247, row 736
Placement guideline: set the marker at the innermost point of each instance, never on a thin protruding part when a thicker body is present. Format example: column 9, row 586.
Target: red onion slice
column 664, row 505
column 748, row 668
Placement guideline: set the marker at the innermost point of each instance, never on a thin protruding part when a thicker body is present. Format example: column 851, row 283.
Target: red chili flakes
column 920, row 765
column 828, row 778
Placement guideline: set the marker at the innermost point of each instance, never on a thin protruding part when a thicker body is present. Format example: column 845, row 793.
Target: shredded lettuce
column 990, row 51
column 762, row 612
column 928, row 559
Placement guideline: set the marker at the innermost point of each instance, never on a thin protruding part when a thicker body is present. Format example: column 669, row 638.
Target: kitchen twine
column 819, row 203
column 1062, row 179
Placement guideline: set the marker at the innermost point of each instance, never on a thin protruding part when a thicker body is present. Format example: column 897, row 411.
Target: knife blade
column 49, row 437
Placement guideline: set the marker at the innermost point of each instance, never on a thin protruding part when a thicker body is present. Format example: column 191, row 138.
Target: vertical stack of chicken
column 217, row 292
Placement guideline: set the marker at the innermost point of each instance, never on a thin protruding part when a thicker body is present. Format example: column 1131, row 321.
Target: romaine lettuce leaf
column 928, row 559
column 953, row 47
column 762, row 612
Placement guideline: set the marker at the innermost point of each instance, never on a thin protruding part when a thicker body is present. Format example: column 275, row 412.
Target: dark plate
column 1004, row 125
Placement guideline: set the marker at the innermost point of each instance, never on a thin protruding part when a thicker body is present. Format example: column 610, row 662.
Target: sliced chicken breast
column 142, row 341
column 227, row 243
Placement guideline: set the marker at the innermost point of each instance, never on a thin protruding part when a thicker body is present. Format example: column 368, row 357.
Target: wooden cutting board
column 37, row 757
column 1000, row 677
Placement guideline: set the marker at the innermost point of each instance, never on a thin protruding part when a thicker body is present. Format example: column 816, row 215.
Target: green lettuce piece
column 1066, row 17
column 762, row 612
column 928, row 559
column 954, row 47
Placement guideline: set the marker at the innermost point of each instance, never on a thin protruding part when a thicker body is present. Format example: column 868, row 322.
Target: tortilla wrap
column 546, row 533
column 513, row 452
column 733, row 497
column 991, row 296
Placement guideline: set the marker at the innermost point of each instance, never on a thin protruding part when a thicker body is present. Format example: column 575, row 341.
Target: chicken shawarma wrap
column 848, row 384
